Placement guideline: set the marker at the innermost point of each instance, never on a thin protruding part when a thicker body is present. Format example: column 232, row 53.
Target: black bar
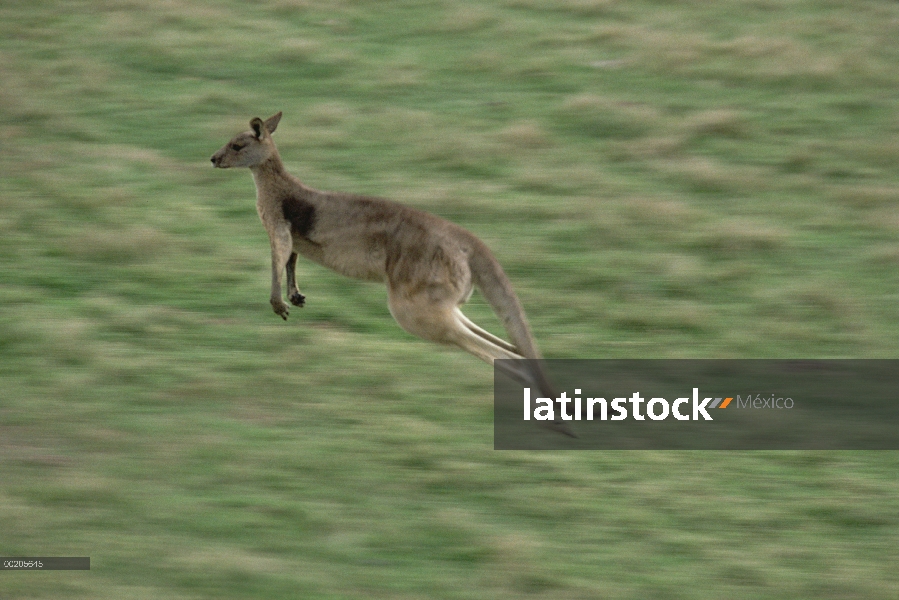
column 671, row 404
column 45, row 563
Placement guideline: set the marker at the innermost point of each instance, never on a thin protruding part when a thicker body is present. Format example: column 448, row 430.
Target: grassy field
column 659, row 179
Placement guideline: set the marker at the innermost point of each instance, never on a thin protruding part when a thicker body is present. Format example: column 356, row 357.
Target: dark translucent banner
column 45, row 563
column 697, row 405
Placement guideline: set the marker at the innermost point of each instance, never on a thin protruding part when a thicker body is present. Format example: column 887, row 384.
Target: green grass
column 659, row 179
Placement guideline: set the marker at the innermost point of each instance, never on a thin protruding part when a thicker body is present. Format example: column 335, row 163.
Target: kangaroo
column 430, row 265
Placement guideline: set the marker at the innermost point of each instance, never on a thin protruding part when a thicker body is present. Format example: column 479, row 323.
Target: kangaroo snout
column 219, row 159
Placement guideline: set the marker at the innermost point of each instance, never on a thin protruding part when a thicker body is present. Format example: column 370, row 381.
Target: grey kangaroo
column 429, row 264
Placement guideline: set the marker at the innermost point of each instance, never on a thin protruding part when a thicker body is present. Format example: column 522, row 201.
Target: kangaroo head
column 250, row 148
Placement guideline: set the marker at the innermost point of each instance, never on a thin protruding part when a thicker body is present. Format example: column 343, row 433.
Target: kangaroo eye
column 236, row 147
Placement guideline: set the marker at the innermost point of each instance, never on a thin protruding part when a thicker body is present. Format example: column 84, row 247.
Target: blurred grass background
column 690, row 179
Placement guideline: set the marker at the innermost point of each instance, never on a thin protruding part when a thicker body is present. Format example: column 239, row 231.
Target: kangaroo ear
column 272, row 122
column 258, row 127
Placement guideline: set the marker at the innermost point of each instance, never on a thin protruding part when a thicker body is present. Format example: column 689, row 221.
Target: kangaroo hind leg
column 526, row 372
column 444, row 323
column 486, row 334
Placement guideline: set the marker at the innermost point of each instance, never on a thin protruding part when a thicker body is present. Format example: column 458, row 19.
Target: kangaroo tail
column 489, row 277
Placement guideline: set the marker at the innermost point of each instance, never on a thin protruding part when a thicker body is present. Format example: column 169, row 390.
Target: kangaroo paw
column 297, row 299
